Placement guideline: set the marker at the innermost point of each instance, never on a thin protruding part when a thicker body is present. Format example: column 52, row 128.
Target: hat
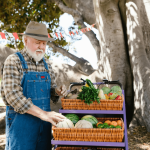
column 37, row 31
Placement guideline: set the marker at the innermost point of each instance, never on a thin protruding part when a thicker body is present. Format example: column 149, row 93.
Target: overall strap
column 23, row 62
column 45, row 64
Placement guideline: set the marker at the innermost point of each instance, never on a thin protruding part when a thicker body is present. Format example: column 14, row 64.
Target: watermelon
column 73, row 117
column 91, row 119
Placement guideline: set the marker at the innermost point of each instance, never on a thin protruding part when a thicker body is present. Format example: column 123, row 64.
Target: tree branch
column 64, row 52
column 79, row 21
column 82, row 65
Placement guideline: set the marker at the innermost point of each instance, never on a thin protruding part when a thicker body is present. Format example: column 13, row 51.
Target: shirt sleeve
column 12, row 86
column 54, row 96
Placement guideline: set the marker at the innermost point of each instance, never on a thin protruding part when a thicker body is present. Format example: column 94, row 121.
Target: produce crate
column 86, row 148
column 77, row 104
column 93, row 135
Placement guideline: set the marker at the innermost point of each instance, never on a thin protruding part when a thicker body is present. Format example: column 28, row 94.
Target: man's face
column 35, row 48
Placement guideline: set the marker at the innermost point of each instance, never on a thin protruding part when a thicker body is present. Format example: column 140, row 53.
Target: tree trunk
column 113, row 58
column 2, row 120
column 85, row 9
column 137, row 23
column 115, row 54
column 4, row 52
column 125, row 73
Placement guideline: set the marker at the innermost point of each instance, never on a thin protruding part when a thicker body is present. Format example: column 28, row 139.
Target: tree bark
column 4, row 52
column 2, row 120
column 113, row 58
column 139, row 63
column 85, row 9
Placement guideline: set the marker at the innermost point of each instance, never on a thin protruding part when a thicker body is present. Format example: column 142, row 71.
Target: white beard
column 37, row 57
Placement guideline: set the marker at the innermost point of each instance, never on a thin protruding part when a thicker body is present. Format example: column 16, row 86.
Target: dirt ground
column 138, row 137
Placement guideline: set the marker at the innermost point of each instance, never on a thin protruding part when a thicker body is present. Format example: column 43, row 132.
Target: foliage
column 12, row 43
column 16, row 14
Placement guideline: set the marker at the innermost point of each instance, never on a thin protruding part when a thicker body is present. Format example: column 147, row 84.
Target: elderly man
column 27, row 87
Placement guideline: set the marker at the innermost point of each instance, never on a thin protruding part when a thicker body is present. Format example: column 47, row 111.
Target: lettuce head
column 106, row 90
column 115, row 89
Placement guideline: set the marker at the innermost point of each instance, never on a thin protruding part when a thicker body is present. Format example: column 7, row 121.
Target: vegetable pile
column 91, row 119
column 87, row 121
column 73, row 117
column 109, row 124
column 66, row 123
column 115, row 93
column 89, row 93
column 83, row 124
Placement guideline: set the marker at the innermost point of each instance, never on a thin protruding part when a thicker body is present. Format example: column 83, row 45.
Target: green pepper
column 112, row 126
column 100, row 126
column 119, row 127
column 90, row 83
column 106, row 124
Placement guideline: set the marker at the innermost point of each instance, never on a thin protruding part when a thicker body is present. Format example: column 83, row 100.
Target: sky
column 80, row 48
column 83, row 47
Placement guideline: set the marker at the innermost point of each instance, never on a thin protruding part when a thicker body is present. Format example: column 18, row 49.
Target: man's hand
column 61, row 91
column 53, row 117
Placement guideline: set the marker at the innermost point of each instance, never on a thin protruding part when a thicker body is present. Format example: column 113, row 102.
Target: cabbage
column 106, row 90
column 119, row 93
column 116, row 89
column 66, row 123
column 83, row 124
column 113, row 96
column 91, row 119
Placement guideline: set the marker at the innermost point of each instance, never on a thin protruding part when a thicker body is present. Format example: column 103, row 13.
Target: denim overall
column 24, row 131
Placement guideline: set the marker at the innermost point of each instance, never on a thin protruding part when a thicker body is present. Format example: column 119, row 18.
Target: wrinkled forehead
column 40, row 41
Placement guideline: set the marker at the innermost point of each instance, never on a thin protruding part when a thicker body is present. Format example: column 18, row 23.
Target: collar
column 29, row 56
